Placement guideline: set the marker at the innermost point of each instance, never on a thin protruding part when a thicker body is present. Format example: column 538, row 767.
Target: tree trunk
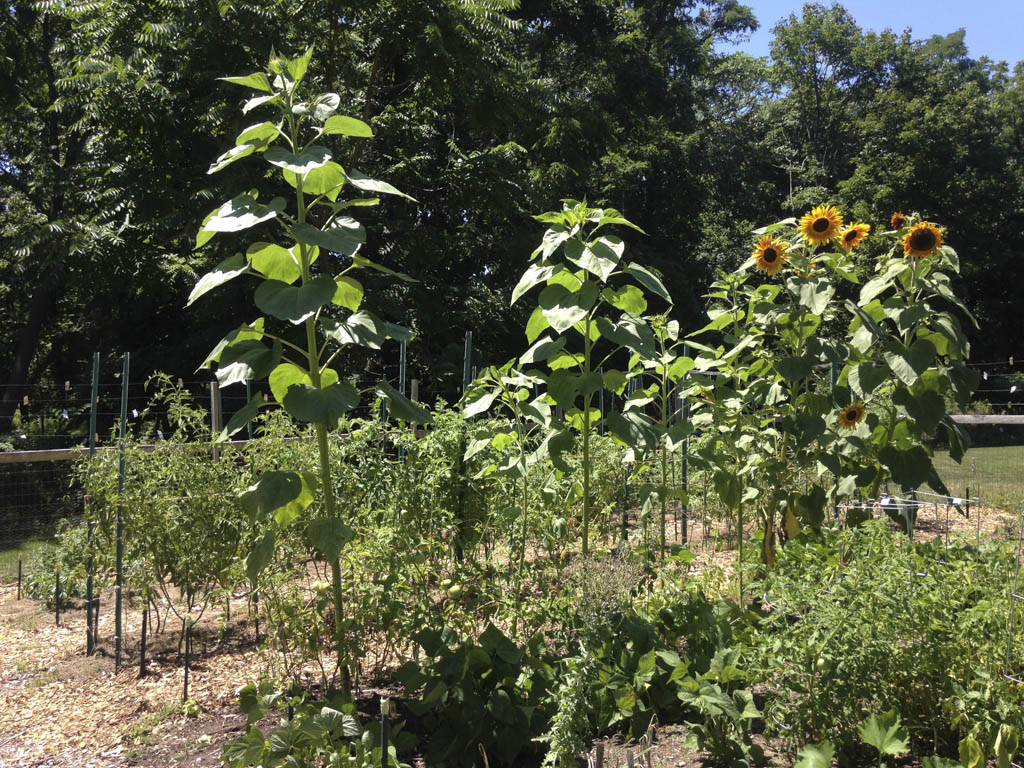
column 39, row 312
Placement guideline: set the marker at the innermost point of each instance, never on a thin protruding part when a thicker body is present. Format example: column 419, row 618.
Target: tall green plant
column 307, row 284
column 791, row 440
column 584, row 277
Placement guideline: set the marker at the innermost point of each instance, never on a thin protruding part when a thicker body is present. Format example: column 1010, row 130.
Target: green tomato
column 455, row 590
column 823, row 666
column 445, row 583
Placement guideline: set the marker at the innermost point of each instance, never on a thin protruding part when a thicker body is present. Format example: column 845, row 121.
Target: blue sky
column 995, row 28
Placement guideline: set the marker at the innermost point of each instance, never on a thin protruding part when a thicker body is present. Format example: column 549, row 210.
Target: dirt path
column 63, row 708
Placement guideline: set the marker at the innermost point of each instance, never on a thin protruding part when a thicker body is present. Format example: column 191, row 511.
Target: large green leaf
column 816, row 756
column 564, row 308
column 634, row 430
column 535, row 274
column 865, row 378
column 536, row 325
column 274, row 262
column 628, row 298
column 926, row 407
column 323, row 406
column 258, row 133
column 363, row 329
column 260, row 556
column 242, row 212
column 630, row 332
column 244, row 332
column 909, row 468
column 794, row 368
column 349, row 293
column 233, row 155
column 648, row 280
column 909, row 363
column 563, row 387
column 343, row 236
column 347, row 126
column 281, row 494
column 542, row 350
column 295, row 302
column 246, row 360
column 312, row 157
column 885, row 733
column 229, row 269
column 366, row 184
column 257, row 81
column 401, row 407
column 328, row 536
column 812, row 293
column 599, row 258
column 326, row 180
column 242, row 417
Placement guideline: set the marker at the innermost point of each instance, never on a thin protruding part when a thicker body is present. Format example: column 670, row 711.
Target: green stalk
column 323, row 450
column 522, row 544
column 586, row 443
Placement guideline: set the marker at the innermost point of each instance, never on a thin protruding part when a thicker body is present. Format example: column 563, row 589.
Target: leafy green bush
column 864, row 621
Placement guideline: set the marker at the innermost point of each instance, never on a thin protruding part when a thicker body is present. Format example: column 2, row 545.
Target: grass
column 995, row 475
column 27, row 551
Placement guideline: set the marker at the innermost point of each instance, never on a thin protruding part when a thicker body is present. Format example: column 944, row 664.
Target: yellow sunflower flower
column 851, row 416
column 922, row 239
column 898, row 220
column 821, row 224
column 854, row 235
column 770, row 254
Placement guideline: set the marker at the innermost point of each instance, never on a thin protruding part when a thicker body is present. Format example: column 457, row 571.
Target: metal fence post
column 119, row 543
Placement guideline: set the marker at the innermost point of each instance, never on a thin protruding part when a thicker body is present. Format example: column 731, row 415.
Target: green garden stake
column 188, row 653
column 385, row 731
column 600, row 401
column 56, row 595
column 119, row 541
column 19, row 578
column 90, row 614
column 467, row 354
column 401, row 386
column 142, row 644
column 248, row 397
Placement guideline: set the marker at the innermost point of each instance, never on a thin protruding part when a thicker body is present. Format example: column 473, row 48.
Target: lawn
column 28, row 552
column 995, row 475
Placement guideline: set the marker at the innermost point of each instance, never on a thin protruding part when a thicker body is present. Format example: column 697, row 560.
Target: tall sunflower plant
column 304, row 249
column 814, row 388
column 589, row 314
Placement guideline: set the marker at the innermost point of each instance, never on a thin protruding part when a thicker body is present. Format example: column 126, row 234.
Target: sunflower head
column 922, row 239
column 898, row 220
column 851, row 416
column 770, row 254
column 821, row 224
column 853, row 235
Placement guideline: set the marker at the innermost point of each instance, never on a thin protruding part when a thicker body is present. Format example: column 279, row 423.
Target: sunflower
column 821, row 224
column 854, row 235
column 770, row 254
column 922, row 239
column 898, row 221
column 851, row 416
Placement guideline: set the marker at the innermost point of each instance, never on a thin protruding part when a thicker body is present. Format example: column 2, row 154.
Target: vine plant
column 308, row 284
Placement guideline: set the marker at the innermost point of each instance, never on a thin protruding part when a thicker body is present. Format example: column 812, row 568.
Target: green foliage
column 576, row 263
column 490, row 693
column 862, row 621
column 316, row 733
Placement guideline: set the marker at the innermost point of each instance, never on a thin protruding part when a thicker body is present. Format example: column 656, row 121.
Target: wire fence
column 37, row 489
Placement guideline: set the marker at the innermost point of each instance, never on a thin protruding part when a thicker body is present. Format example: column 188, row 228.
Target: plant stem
column 586, row 442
